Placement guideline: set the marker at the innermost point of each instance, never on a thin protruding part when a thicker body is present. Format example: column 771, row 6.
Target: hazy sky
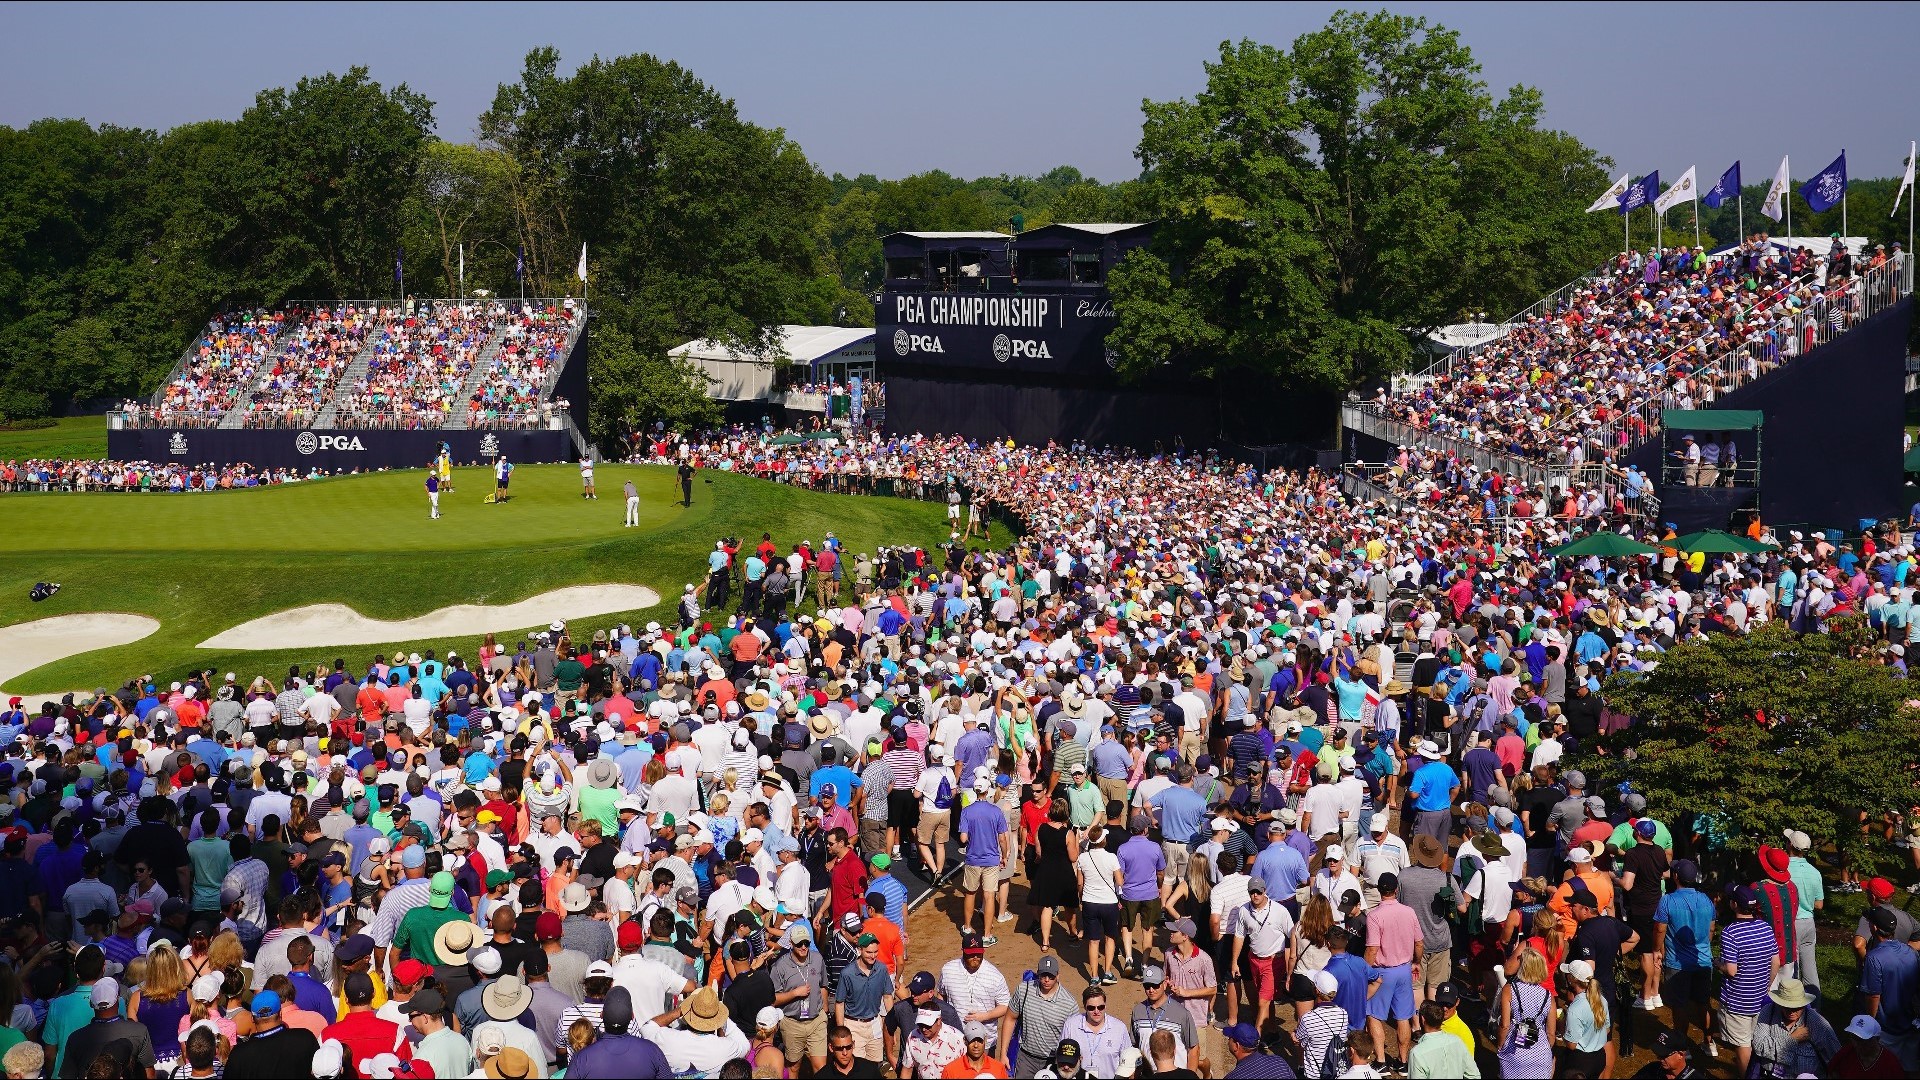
column 978, row 89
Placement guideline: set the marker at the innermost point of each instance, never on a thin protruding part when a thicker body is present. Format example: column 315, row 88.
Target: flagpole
column 1742, row 212
column 463, row 270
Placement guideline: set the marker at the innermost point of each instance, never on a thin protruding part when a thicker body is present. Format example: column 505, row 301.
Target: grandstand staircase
column 353, row 374
column 463, row 406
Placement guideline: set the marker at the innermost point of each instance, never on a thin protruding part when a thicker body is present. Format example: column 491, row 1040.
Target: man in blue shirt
column 1180, row 810
column 1683, row 929
column 1433, row 788
column 843, row 779
column 1280, row 866
column 985, row 838
column 1888, row 980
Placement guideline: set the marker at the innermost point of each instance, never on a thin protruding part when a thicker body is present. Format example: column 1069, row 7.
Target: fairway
column 202, row 564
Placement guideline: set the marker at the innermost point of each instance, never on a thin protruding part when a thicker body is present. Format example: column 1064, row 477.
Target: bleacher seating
column 418, row 369
column 222, row 366
column 304, row 372
column 509, row 393
column 1579, row 383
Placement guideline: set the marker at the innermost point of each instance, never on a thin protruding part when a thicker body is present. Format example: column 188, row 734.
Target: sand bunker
column 323, row 625
column 29, row 645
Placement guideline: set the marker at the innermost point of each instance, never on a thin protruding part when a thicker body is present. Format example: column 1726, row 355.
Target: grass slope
column 69, row 437
column 202, row 563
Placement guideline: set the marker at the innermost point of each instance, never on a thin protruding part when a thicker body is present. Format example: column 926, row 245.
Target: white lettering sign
column 1013, row 312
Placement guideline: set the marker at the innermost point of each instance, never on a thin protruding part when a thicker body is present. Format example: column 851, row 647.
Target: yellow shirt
column 379, row 995
column 1457, row 1026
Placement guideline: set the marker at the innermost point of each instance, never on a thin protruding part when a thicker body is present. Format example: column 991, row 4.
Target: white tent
column 744, row 375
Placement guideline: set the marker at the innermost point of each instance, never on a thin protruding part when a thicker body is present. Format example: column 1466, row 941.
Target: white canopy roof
column 802, row 344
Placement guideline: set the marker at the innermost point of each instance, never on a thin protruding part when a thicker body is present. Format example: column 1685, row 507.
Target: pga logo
column 905, row 343
column 1006, row 348
column 309, row 443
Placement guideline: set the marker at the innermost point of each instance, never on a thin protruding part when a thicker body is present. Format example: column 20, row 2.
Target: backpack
column 943, row 798
column 1335, row 1062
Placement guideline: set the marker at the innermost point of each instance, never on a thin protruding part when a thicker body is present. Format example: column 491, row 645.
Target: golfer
column 686, row 484
column 633, row 505
column 433, row 494
column 502, row 473
column 586, row 479
column 444, row 465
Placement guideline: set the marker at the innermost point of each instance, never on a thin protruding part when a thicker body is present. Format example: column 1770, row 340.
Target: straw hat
column 704, row 1012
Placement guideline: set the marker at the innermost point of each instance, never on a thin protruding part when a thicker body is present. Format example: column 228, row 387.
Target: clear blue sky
column 978, row 89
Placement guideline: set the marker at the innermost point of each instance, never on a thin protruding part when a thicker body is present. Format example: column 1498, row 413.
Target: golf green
column 206, row 562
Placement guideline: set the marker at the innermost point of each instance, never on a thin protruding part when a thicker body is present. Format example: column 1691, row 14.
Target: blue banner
column 1641, row 194
column 1828, row 186
column 1727, row 188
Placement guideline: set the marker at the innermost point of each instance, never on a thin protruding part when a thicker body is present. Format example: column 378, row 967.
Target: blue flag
column 520, row 263
column 1727, row 188
column 1828, row 186
column 398, row 274
column 1641, row 194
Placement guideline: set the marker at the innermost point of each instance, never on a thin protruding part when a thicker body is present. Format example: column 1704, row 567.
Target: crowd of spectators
column 419, row 366
column 295, row 391
column 164, row 476
column 223, row 366
column 534, row 344
column 1671, row 328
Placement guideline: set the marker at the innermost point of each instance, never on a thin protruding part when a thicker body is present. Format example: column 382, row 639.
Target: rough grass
column 202, row 563
column 69, row 437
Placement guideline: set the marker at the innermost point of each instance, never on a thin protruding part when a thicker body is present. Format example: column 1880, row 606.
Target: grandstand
column 1565, row 403
column 370, row 385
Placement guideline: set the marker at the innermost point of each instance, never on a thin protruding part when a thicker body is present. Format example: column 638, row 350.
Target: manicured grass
column 202, row 563
column 69, row 437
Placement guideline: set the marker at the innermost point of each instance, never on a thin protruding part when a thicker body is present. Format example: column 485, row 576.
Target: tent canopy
column 1710, row 419
column 1913, row 459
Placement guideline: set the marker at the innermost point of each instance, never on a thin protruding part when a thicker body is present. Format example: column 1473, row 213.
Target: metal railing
column 1551, row 302
column 1366, row 418
column 1834, row 310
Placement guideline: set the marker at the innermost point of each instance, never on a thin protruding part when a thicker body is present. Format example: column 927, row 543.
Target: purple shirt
column 1141, row 863
column 981, row 823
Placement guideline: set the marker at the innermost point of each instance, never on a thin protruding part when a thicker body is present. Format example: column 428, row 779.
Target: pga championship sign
column 1037, row 333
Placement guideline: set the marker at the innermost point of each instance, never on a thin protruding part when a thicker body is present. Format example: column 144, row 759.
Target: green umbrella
column 788, row 439
column 1607, row 545
column 1718, row 542
column 823, row 436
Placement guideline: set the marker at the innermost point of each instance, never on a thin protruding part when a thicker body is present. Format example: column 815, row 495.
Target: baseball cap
column 1152, row 975
column 265, row 1003
column 970, row 944
column 1447, row 993
column 1325, row 984
column 107, row 992
column 1864, row 1027
column 1068, row 1052
column 1879, row 888
column 921, row 983
column 547, row 927
column 1048, row 965
column 1242, row 1034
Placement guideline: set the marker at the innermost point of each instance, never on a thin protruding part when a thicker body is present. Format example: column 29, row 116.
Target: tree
column 704, row 224
column 1769, row 731
column 332, row 163
column 634, row 388
column 1318, row 204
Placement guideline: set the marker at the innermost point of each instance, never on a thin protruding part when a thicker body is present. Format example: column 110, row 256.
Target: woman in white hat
column 1586, row 1043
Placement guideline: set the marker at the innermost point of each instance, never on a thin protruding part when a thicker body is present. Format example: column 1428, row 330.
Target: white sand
column 325, row 625
column 25, row 646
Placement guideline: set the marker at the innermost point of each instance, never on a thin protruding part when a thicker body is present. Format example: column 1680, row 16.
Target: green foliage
column 1773, row 731
column 704, row 225
column 631, row 388
column 1318, row 203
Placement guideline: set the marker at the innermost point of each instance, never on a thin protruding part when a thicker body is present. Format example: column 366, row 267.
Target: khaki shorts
column 980, row 878
column 868, row 1042
column 1435, row 968
column 806, row 1038
column 1736, row 1029
column 873, row 837
column 935, row 827
column 1111, row 790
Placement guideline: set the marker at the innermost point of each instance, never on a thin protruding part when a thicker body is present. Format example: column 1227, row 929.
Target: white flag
column 582, row 272
column 1611, row 199
column 1776, row 193
column 463, row 262
column 1683, row 190
column 1913, row 149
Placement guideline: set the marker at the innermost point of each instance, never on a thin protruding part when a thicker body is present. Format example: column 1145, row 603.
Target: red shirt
column 365, row 1037
column 848, row 887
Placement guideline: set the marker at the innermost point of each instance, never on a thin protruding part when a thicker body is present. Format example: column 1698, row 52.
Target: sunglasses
column 1096, row 1008
column 839, row 1048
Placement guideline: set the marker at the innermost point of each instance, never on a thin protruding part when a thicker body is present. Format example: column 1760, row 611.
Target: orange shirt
column 369, row 700
column 962, row 1069
column 893, row 951
column 1600, row 885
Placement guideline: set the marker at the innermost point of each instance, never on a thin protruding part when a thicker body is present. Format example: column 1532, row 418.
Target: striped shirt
column 1315, row 1033
column 876, row 778
column 586, row 1010
column 1041, row 1017
column 1750, row 944
column 399, row 900
column 903, row 766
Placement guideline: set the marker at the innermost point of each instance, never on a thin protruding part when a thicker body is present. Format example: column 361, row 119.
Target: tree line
column 1319, row 205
